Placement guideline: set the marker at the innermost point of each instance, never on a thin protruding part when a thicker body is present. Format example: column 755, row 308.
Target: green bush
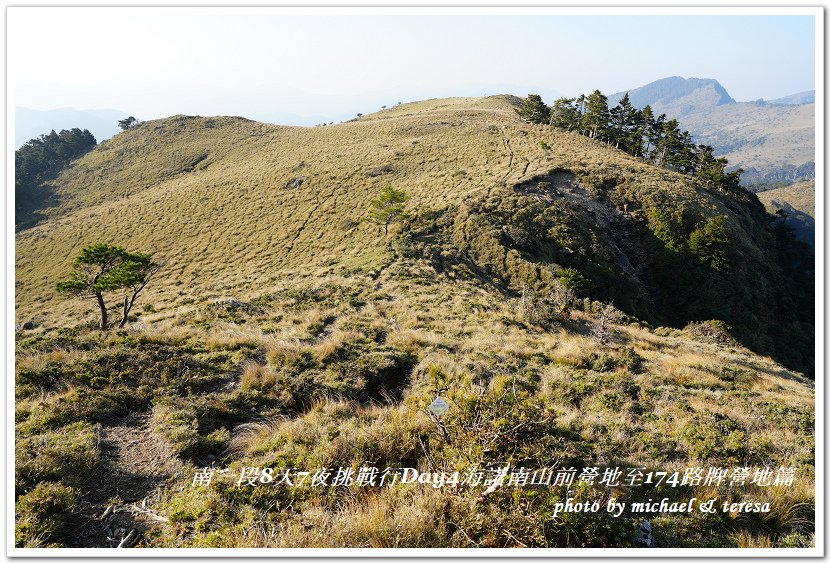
column 65, row 454
column 710, row 243
column 574, row 280
column 602, row 362
column 719, row 438
column 40, row 514
column 632, row 360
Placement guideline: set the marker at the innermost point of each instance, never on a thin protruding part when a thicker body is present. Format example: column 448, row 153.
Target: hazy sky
column 155, row 63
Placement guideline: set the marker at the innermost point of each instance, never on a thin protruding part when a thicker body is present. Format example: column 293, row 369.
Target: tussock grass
column 290, row 402
column 335, row 433
column 280, row 339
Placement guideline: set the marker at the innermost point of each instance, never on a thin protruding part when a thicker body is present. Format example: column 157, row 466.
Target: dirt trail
column 506, row 143
column 134, row 463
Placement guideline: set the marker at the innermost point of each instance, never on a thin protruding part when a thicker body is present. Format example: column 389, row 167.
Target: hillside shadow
column 803, row 224
column 28, row 214
column 387, row 385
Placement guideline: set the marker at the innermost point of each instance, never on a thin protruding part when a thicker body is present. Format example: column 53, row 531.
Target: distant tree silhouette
column 128, row 123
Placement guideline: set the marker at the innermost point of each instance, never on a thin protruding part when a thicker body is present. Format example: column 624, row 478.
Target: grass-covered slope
column 799, row 202
column 235, row 206
column 339, row 373
column 287, row 332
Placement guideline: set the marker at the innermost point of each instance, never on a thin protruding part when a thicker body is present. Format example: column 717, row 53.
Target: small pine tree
column 128, row 123
column 103, row 268
column 388, row 207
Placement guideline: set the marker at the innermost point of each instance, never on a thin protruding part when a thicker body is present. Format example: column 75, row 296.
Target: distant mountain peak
column 691, row 93
column 801, row 98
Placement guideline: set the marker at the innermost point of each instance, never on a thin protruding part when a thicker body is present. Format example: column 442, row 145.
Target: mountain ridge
column 676, row 91
column 220, row 173
column 797, row 99
column 523, row 284
column 771, row 142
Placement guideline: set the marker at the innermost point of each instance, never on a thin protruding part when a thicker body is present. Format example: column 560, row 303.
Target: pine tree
column 669, row 146
column 596, row 115
column 388, row 207
column 655, row 135
column 624, row 119
column 616, row 126
column 103, row 268
column 686, row 160
column 128, row 123
column 645, row 125
column 534, row 110
column 581, row 103
column 565, row 114
column 712, row 170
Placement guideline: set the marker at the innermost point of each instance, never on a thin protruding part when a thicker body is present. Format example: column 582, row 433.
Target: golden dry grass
column 231, row 230
column 802, row 196
column 230, row 227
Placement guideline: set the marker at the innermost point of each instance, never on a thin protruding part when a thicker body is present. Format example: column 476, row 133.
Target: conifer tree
column 596, row 115
column 534, row 110
column 581, row 103
column 645, row 126
column 565, row 114
column 102, row 268
column 388, row 207
column 624, row 118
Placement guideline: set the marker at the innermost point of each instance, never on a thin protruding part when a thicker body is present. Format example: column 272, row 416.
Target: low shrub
column 41, row 514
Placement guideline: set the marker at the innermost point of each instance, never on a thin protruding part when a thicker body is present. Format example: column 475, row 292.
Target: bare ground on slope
column 118, row 495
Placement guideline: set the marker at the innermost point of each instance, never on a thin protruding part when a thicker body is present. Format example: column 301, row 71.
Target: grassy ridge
column 287, row 332
column 233, row 218
column 217, row 198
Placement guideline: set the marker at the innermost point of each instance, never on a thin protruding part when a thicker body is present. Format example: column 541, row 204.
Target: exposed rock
column 644, row 537
column 294, row 183
column 381, row 170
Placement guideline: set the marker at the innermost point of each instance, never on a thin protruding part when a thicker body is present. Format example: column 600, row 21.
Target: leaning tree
column 103, row 268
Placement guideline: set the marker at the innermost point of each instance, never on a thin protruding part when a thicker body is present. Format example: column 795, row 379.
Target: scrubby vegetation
column 523, row 284
column 339, row 374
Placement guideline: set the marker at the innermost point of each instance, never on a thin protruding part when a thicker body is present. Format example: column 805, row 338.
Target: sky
column 294, row 69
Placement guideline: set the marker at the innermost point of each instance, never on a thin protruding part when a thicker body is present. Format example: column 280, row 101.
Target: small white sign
column 439, row 406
